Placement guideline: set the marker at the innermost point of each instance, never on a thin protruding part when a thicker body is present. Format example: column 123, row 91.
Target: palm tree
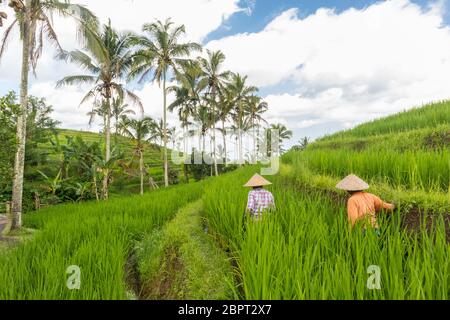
column 98, row 109
column 109, row 61
column 239, row 126
column 34, row 18
column 204, row 120
column 119, row 109
column 138, row 130
column 304, row 142
column 225, row 107
column 160, row 52
column 241, row 91
column 283, row 134
column 214, row 79
column 187, row 96
column 158, row 133
column 255, row 108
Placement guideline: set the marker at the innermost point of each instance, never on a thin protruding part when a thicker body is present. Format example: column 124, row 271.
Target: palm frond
column 6, row 36
column 76, row 80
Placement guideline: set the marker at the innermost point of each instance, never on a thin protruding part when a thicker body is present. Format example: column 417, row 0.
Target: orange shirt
column 363, row 205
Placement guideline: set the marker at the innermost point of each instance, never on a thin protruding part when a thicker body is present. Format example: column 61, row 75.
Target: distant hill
column 152, row 155
column 404, row 157
column 427, row 127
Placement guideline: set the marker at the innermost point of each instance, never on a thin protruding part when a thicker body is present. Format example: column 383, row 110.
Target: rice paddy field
column 193, row 242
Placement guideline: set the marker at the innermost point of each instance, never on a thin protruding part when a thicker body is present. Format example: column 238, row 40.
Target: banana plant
column 54, row 184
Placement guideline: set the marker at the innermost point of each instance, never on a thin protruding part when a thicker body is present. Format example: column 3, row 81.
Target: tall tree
column 187, row 96
column 283, row 134
column 138, row 130
column 159, row 134
column 99, row 108
column 108, row 61
column 203, row 118
column 254, row 110
column 8, row 112
column 241, row 92
column 225, row 107
column 34, row 19
column 119, row 109
column 161, row 52
column 214, row 79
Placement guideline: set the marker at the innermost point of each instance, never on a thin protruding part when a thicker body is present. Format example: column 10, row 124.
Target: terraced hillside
column 406, row 157
column 194, row 242
column 152, row 159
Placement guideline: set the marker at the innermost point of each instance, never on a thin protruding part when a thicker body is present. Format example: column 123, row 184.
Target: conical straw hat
column 352, row 183
column 257, row 181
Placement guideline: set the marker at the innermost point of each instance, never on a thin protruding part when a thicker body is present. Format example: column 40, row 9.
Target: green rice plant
column 96, row 237
column 305, row 250
column 419, row 170
column 431, row 138
column 429, row 116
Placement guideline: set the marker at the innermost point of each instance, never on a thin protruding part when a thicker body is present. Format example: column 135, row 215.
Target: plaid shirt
column 260, row 200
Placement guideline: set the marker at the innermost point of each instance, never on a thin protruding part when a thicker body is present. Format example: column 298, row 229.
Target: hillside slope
column 152, row 156
column 405, row 157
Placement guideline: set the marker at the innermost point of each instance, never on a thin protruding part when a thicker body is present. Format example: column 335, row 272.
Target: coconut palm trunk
column 204, row 143
column 213, row 128
column 94, row 175
column 166, row 163
column 254, row 142
column 186, row 155
column 107, row 146
column 258, row 144
column 240, row 134
column 224, row 135
column 19, row 163
column 141, row 169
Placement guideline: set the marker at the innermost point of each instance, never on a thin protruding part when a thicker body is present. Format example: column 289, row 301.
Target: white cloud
column 341, row 68
column 125, row 15
column 199, row 16
column 346, row 67
column 68, row 110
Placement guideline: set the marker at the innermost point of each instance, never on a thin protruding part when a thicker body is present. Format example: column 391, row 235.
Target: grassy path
column 181, row 261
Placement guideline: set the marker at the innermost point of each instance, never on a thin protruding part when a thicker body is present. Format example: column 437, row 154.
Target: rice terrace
column 176, row 159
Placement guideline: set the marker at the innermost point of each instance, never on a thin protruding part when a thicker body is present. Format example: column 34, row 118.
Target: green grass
column 409, row 152
column 181, row 261
column 428, row 139
column 306, row 251
column 417, row 170
column 429, row 116
column 97, row 237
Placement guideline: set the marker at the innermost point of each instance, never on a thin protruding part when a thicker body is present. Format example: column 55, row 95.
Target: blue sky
column 320, row 71
column 261, row 12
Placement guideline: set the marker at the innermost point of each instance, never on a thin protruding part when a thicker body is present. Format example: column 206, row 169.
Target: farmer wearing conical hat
column 260, row 200
column 362, row 205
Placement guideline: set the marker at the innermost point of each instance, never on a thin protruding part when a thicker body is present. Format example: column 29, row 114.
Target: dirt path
column 180, row 261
